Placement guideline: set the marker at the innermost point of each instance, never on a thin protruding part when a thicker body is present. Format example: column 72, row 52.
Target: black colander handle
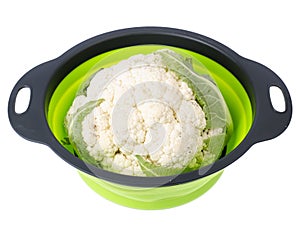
column 32, row 124
column 268, row 122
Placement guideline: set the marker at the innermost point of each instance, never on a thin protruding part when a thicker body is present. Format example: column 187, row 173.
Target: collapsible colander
column 244, row 85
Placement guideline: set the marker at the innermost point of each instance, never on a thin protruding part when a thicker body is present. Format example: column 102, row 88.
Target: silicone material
column 151, row 198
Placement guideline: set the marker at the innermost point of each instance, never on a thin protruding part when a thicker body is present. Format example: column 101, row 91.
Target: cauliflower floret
column 156, row 112
column 136, row 126
column 186, row 91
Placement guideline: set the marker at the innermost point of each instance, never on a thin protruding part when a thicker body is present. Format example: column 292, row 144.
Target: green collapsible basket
column 244, row 85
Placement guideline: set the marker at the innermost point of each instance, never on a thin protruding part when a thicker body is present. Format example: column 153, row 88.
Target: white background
column 41, row 193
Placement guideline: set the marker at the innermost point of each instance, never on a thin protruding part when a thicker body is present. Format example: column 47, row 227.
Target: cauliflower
column 148, row 115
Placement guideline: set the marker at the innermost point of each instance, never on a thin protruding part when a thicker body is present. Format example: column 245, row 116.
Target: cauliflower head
column 147, row 115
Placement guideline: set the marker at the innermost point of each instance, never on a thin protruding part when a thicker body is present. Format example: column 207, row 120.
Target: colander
column 244, row 84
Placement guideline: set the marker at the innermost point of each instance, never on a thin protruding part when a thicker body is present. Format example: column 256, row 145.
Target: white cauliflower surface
column 144, row 110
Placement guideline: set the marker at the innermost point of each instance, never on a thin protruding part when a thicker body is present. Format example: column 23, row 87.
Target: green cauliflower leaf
column 75, row 131
column 150, row 169
column 207, row 95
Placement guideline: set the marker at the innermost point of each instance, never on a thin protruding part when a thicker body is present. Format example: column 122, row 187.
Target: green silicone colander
column 243, row 83
column 162, row 197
